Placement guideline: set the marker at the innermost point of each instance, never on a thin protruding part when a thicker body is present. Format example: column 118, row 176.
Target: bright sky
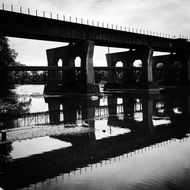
column 167, row 16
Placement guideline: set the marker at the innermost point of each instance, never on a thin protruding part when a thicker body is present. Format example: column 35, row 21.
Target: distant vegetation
column 7, row 58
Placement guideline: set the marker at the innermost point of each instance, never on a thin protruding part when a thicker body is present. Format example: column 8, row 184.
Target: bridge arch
column 60, row 63
column 137, row 63
column 119, row 64
column 77, row 61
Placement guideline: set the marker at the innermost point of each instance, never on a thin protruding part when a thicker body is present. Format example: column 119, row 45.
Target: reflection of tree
column 5, row 150
column 10, row 108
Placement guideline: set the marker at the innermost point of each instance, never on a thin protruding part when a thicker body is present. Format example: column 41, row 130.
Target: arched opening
column 119, row 101
column 159, row 74
column 78, row 62
column 119, row 64
column 137, row 72
column 177, row 72
column 58, row 74
column 177, row 64
column 119, row 73
column 137, row 63
column 60, row 63
column 159, row 65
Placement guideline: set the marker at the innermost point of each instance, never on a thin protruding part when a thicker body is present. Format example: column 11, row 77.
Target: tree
column 7, row 58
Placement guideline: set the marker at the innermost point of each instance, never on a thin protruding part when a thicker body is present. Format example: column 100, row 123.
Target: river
column 107, row 142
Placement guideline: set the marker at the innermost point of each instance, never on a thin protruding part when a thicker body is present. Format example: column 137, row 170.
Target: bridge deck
column 33, row 27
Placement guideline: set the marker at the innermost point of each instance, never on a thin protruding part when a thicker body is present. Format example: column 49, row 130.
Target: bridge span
column 82, row 38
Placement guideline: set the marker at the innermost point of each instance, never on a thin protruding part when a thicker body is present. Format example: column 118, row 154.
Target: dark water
column 115, row 141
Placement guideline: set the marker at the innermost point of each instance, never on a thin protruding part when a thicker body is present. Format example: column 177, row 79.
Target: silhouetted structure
column 82, row 39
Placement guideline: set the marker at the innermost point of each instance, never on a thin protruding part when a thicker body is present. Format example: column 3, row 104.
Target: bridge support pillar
column 72, row 80
column 146, row 55
column 87, row 70
column 147, row 106
column 133, row 77
column 127, row 72
column 184, row 58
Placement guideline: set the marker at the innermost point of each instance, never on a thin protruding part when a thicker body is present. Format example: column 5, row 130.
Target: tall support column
column 88, row 76
column 147, row 105
column 185, row 60
column 147, row 55
column 111, row 63
column 128, row 77
column 52, row 62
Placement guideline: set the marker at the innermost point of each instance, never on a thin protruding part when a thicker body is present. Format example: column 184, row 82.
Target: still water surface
column 114, row 141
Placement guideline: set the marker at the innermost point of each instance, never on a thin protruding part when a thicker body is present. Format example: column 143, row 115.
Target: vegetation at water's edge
column 7, row 58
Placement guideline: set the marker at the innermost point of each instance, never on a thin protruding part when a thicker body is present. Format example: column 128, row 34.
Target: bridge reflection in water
column 98, row 132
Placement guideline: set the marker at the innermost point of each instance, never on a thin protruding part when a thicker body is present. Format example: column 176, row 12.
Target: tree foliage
column 7, row 55
column 7, row 58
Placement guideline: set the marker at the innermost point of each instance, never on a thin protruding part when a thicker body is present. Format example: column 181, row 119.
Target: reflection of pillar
column 69, row 112
column 128, row 110
column 147, row 106
column 54, row 112
column 185, row 108
column 112, row 110
column 188, row 103
column 168, row 109
column 88, row 112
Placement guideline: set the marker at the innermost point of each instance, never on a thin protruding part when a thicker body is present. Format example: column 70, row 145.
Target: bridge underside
column 81, row 81
column 167, row 70
column 154, row 71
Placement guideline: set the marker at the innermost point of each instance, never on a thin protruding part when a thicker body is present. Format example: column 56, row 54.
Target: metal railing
column 63, row 17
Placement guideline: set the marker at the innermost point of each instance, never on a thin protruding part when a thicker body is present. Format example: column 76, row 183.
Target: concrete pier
column 70, row 81
column 128, row 58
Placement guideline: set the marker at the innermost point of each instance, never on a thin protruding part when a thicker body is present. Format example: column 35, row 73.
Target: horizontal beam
column 46, row 68
column 37, row 68
column 33, row 27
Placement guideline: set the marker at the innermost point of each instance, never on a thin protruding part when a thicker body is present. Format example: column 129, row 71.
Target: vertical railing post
column 3, row 136
column 12, row 8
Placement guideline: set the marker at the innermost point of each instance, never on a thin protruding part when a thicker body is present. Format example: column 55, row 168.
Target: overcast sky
column 166, row 16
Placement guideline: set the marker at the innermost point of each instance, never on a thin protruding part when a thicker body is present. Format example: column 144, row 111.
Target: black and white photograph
column 94, row 95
